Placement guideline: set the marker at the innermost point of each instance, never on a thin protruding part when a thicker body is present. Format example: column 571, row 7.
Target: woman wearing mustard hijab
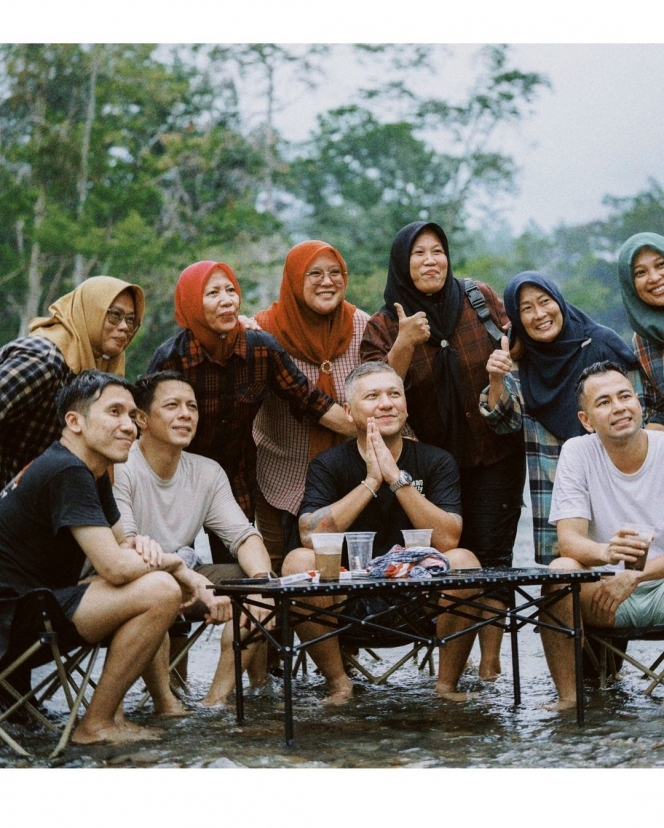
column 91, row 327
column 641, row 274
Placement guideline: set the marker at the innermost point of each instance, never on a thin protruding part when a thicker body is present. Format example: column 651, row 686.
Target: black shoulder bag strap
column 479, row 305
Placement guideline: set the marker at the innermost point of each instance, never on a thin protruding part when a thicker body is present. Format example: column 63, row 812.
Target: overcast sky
column 598, row 131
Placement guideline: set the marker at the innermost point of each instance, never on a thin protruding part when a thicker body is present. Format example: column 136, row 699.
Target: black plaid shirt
column 32, row 371
column 230, row 395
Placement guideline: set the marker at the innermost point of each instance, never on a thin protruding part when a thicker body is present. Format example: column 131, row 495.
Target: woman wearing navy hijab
column 555, row 341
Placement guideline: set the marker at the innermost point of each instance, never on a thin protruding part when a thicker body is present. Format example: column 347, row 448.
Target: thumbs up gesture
column 500, row 361
column 413, row 330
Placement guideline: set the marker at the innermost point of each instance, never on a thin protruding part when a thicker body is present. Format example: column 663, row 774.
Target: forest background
column 135, row 160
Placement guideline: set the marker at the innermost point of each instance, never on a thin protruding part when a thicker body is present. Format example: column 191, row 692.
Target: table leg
column 237, row 651
column 284, row 624
column 578, row 652
column 514, row 641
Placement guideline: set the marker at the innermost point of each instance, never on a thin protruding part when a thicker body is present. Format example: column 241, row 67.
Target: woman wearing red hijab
column 232, row 370
column 321, row 332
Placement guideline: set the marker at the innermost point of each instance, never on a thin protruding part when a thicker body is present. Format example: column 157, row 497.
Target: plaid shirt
column 32, row 371
column 473, row 347
column 542, row 453
column 283, row 442
column 651, row 362
column 230, row 395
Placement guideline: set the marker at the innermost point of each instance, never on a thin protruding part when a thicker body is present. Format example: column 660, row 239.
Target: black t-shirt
column 56, row 491
column 337, row 471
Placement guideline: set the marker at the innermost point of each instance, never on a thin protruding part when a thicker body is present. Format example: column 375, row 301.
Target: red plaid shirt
column 472, row 346
column 230, row 395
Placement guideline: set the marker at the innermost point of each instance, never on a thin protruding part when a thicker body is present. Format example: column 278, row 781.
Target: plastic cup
column 417, row 537
column 360, row 549
column 646, row 534
column 327, row 552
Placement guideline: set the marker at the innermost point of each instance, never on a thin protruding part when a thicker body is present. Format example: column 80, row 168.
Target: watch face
column 405, row 477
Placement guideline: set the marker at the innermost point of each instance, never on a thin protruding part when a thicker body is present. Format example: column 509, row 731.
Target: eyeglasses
column 317, row 275
column 116, row 317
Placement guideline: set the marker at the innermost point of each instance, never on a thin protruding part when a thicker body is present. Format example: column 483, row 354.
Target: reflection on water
column 400, row 724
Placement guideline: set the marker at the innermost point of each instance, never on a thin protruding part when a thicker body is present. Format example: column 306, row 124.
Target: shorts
column 69, row 598
column 644, row 607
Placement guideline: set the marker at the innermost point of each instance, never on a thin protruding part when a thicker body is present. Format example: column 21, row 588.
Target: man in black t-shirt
column 59, row 510
column 382, row 483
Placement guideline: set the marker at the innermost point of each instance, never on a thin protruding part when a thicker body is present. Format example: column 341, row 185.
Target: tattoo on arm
column 319, row 521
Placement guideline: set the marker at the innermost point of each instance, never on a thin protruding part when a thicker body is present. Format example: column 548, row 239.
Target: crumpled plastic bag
column 414, row 562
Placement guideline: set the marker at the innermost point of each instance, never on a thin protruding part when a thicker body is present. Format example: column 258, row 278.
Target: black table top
column 454, row 579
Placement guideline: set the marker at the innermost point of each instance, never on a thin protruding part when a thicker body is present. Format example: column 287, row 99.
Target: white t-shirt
column 588, row 485
column 172, row 512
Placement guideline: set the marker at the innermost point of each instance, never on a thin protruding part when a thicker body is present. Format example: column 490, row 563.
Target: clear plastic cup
column 646, row 534
column 417, row 537
column 360, row 549
column 327, row 552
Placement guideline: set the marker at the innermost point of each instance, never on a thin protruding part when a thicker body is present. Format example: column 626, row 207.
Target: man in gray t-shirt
column 175, row 494
column 605, row 481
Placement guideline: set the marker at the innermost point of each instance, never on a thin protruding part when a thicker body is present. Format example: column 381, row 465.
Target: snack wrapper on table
column 413, row 562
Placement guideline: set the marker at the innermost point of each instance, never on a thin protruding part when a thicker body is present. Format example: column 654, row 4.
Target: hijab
column 443, row 310
column 549, row 371
column 313, row 337
column 76, row 323
column 644, row 318
column 189, row 311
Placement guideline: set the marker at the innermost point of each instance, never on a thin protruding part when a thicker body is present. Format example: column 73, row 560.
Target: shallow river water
column 397, row 725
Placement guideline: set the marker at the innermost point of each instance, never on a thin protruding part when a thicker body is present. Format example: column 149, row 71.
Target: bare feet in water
column 341, row 691
column 452, row 694
column 113, row 734
column 560, row 705
column 174, row 710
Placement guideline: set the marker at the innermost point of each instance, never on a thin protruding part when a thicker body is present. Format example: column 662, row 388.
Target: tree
column 364, row 173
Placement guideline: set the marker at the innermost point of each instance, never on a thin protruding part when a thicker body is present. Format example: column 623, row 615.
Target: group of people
column 310, row 417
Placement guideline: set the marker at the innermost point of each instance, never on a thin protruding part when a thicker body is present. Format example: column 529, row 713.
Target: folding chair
column 613, row 643
column 40, row 633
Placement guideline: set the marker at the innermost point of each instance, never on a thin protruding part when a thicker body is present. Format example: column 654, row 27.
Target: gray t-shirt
column 588, row 485
column 172, row 512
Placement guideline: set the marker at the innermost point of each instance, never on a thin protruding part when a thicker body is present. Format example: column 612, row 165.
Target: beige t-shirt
column 172, row 512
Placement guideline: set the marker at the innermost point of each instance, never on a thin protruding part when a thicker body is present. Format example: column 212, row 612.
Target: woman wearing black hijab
column 429, row 332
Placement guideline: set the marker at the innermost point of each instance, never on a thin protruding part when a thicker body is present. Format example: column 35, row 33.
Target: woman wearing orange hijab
column 232, row 370
column 321, row 331
column 91, row 327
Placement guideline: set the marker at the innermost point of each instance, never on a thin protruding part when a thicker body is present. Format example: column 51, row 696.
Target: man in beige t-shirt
column 175, row 494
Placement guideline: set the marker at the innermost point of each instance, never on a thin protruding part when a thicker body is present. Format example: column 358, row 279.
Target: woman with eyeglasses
column 233, row 369
column 91, row 327
column 321, row 332
column 430, row 332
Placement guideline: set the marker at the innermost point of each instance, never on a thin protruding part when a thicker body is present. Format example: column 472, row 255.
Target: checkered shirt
column 230, row 395
column 283, row 442
column 473, row 347
column 651, row 362
column 542, row 453
column 32, row 371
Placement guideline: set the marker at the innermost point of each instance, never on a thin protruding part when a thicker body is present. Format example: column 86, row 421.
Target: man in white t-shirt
column 175, row 494
column 606, row 480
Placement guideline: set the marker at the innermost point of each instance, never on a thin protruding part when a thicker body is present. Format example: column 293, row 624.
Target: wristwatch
column 404, row 479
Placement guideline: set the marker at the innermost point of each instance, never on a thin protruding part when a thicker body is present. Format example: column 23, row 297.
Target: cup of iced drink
column 646, row 534
column 417, row 537
column 327, row 552
column 360, row 548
